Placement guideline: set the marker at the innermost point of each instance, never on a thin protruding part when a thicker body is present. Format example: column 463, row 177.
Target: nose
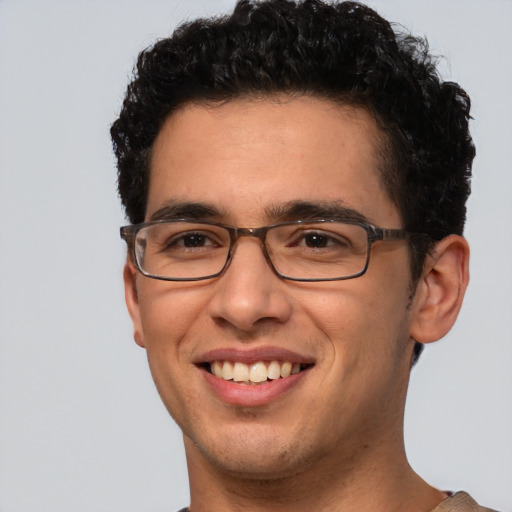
column 249, row 295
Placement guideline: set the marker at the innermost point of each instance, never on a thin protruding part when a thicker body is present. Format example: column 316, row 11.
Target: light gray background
column 81, row 427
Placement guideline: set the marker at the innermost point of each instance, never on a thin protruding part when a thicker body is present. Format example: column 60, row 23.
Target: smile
column 256, row 373
column 253, row 377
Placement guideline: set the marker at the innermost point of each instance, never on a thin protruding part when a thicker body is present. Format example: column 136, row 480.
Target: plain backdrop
column 81, row 427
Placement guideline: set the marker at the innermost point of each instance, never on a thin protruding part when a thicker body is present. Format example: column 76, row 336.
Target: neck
column 379, row 478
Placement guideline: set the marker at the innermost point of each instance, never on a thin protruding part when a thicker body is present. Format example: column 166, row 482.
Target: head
column 345, row 53
column 301, row 75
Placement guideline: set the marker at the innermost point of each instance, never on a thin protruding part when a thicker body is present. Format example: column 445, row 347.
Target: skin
column 323, row 443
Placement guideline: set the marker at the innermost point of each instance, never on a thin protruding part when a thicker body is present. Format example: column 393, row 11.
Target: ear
column 132, row 302
column 441, row 289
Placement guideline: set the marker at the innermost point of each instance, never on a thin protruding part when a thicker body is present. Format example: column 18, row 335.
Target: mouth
column 253, row 374
column 253, row 377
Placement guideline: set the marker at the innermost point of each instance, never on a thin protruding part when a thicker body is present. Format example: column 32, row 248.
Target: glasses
column 319, row 250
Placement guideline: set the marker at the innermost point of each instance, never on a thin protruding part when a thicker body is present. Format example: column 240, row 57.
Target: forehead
column 249, row 156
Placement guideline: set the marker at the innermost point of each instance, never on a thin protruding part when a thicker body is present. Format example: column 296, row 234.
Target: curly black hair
column 343, row 52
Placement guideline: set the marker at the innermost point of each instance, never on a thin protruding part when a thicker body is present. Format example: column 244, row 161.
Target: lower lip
column 248, row 395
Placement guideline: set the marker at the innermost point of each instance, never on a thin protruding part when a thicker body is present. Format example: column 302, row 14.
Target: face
column 248, row 161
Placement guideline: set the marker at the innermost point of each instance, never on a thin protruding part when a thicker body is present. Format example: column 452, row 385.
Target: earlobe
column 132, row 302
column 441, row 290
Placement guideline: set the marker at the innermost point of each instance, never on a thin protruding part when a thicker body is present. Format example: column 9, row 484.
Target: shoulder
column 460, row 502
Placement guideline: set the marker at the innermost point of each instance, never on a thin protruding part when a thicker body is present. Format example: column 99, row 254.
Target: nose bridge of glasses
column 259, row 233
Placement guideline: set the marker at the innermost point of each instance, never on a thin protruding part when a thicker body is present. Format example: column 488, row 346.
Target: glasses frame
column 374, row 234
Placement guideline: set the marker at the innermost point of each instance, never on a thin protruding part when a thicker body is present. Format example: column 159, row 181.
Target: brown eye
column 319, row 240
column 316, row 240
column 193, row 240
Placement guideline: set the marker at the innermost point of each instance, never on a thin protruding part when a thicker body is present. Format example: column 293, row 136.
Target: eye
column 319, row 240
column 191, row 240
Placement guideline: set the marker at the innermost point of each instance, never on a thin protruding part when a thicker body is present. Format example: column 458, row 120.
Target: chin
column 256, row 454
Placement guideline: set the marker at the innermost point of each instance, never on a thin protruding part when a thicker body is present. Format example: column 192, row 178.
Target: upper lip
column 253, row 355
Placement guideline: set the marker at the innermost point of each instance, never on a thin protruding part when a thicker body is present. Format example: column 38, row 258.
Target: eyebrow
column 173, row 209
column 289, row 211
column 315, row 210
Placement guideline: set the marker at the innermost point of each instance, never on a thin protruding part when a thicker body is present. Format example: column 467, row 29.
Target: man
column 295, row 176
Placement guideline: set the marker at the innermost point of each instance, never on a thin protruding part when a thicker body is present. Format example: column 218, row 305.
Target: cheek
column 368, row 335
column 169, row 311
column 171, row 318
column 170, row 315
column 362, row 321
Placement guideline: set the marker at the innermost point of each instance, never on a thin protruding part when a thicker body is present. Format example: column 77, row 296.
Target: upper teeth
column 257, row 372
